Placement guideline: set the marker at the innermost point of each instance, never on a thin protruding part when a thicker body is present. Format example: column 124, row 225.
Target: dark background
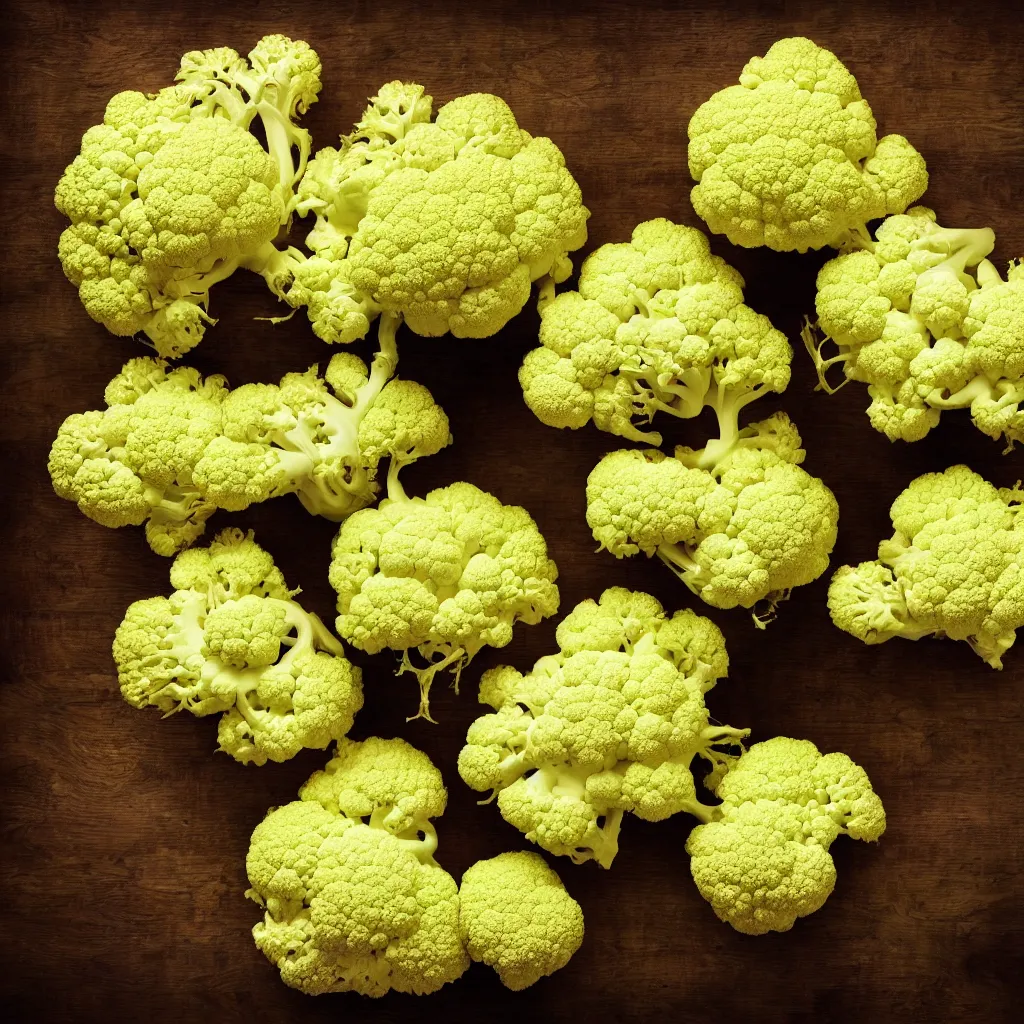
column 124, row 836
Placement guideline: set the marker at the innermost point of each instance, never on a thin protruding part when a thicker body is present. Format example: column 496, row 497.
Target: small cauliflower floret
column 609, row 725
column 173, row 192
column 354, row 906
column 738, row 522
column 515, row 916
column 789, row 158
column 445, row 223
column 214, row 647
column 658, row 325
column 446, row 575
column 762, row 861
column 951, row 569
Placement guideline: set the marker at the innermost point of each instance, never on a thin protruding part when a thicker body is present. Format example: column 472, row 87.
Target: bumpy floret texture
column 789, row 158
column 448, row 575
column 658, row 325
column 763, row 861
column 354, row 905
column 445, row 222
column 926, row 321
column 515, row 916
column 215, row 646
column 738, row 529
column 953, row 568
column 610, row 724
column 172, row 192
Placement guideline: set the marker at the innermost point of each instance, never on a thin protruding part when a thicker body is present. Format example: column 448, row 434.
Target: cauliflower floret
column 515, row 916
column 789, row 158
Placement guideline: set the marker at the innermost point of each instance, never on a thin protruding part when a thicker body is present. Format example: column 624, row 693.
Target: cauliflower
column 214, row 647
column 353, row 898
column 789, row 158
column 515, row 916
column 953, row 568
column 171, row 448
column 741, row 526
column 445, row 223
column 658, row 324
column 925, row 320
column 610, row 724
column 173, row 192
column 762, row 861
column 448, row 575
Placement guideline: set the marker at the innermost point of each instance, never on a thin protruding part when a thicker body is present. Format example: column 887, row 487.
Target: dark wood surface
column 124, row 836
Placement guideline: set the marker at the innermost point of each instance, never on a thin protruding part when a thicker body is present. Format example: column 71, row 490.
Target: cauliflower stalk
column 922, row 316
column 446, row 223
column 172, row 192
column 353, row 898
column 215, row 647
column 951, row 569
column 740, row 524
column 515, row 916
column 446, row 575
column 171, row 448
column 789, row 158
column 611, row 724
column 658, row 325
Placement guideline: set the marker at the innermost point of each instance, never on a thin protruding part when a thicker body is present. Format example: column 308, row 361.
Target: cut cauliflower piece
column 353, row 905
column 609, row 725
column 515, row 916
column 448, row 575
column 214, row 646
column 953, row 568
column 740, row 525
column 658, row 324
column 446, row 223
column 762, row 861
column 789, row 158
column 172, row 192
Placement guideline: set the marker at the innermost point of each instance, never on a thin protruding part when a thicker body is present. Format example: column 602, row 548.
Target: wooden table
column 124, row 836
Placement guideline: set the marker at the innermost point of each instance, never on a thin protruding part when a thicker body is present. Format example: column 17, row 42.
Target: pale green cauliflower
column 353, row 898
column 953, row 568
column 789, row 158
column 925, row 320
column 658, row 324
column 214, row 647
column 446, row 223
column 762, row 860
column 171, row 448
column 515, row 916
column 173, row 192
column 448, row 575
column 609, row 725
column 740, row 526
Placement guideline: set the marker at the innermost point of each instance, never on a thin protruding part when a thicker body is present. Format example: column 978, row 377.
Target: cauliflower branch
column 214, row 646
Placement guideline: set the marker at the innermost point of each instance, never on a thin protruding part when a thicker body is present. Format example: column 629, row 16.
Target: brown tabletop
column 124, row 836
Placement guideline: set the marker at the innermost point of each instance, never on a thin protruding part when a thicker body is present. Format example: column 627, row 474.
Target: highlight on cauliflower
column 611, row 724
column 658, row 324
column 954, row 567
column 445, row 575
column 173, row 191
column 353, row 898
column 515, row 916
column 215, row 647
column 789, row 158
column 446, row 223
column 171, row 448
column 923, row 317
column 740, row 522
column 762, row 859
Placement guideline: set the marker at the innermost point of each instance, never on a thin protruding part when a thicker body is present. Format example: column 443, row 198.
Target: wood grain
column 124, row 836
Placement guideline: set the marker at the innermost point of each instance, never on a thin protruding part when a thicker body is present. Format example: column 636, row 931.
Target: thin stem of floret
column 678, row 559
column 966, row 246
column 821, row 365
column 305, row 630
column 764, row 611
column 425, row 676
column 196, row 286
column 396, row 492
column 545, row 292
column 276, row 266
column 177, row 505
column 979, row 387
column 383, row 367
column 605, row 846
